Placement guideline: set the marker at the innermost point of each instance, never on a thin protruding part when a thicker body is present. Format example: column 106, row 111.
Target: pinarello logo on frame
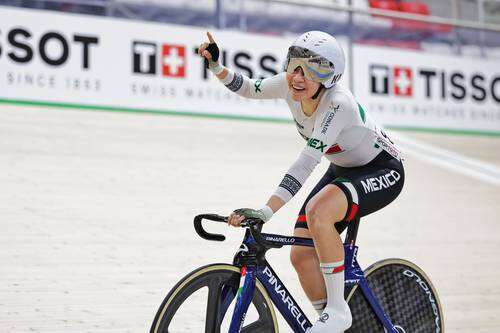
column 148, row 58
column 396, row 80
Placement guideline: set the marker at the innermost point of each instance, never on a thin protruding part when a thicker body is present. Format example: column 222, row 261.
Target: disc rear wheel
column 405, row 294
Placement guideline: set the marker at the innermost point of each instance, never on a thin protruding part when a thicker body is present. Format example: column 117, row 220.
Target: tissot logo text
column 144, row 57
column 379, row 79
column 246, row 63
column 395, row 80
column 433, row 84
column 49, row 60
column 148, row 57
column 402, row 81
column 53, row 48
column 173, row 60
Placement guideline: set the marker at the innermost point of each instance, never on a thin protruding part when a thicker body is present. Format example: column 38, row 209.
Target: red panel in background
column 414, row 8
column 410, row 7
column 384, row 4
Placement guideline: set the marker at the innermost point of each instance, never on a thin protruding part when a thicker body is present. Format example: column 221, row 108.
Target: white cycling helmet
column 319, row 55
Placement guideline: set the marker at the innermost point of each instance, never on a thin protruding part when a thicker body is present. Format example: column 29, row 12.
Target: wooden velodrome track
column 96, row 211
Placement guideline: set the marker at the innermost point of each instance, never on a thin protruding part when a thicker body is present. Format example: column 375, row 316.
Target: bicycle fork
column 244, row 298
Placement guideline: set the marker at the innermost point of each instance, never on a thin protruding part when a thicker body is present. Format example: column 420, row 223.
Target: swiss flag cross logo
column 403, row 85
column 173, row 60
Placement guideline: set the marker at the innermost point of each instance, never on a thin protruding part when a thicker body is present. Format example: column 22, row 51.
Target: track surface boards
column 96, row 216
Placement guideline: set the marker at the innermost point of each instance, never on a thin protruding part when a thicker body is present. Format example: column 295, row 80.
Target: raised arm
column 269, row 88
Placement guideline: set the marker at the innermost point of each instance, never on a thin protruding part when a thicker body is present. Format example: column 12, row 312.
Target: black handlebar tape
column 213, row 49
column 202, row 232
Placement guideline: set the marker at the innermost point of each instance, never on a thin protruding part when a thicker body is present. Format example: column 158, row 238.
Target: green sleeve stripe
column 362, row 113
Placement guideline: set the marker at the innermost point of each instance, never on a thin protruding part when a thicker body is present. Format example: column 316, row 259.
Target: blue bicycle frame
column 251, row 259
column 282, row 298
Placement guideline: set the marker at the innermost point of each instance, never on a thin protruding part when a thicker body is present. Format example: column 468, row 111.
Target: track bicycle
column 392, row 295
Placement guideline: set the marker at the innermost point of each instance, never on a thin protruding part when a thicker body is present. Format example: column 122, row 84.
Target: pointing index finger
column 210, row 38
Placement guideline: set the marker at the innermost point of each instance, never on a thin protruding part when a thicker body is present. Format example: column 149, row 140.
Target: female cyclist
column 365, row 173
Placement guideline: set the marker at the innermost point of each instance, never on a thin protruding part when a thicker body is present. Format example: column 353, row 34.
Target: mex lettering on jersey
column 258, row 85
column 316, row 144
column 375, row 184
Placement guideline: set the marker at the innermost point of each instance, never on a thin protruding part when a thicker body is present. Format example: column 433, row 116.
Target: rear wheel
column 405, row 294
column 204, row 301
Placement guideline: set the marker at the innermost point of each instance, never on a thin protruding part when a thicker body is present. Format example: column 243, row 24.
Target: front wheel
column 406, row 295
column 201, row 300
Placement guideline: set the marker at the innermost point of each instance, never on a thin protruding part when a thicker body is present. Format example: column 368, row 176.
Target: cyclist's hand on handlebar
column 235, row 219
column 239, row 215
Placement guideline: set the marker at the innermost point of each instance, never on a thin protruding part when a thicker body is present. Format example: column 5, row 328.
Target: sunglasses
column 315, row 67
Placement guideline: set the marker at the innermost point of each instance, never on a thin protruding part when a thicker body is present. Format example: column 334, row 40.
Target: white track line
column 449, row 160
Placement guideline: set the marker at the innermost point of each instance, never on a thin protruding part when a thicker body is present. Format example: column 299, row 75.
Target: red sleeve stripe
column 335, row 149
column 302, row 218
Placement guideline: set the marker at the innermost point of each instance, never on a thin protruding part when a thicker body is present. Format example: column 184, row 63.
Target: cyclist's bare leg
column 326, row 208
column 306, row 263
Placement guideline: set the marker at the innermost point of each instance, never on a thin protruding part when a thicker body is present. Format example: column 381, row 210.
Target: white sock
column 319, row 305
column 333, row 273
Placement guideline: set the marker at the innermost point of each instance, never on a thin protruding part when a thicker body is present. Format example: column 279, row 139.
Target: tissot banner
column 106, row 62
column 416, row 89
column 66, row 58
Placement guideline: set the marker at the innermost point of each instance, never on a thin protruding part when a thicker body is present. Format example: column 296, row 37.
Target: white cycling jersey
column 339, row 129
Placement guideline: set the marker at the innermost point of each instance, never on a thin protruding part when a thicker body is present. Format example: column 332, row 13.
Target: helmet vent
column 321, row 41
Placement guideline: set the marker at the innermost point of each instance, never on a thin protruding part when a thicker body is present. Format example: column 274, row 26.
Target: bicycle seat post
column 352, row 232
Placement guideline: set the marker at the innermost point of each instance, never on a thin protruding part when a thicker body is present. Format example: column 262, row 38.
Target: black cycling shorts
column 368, row 188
